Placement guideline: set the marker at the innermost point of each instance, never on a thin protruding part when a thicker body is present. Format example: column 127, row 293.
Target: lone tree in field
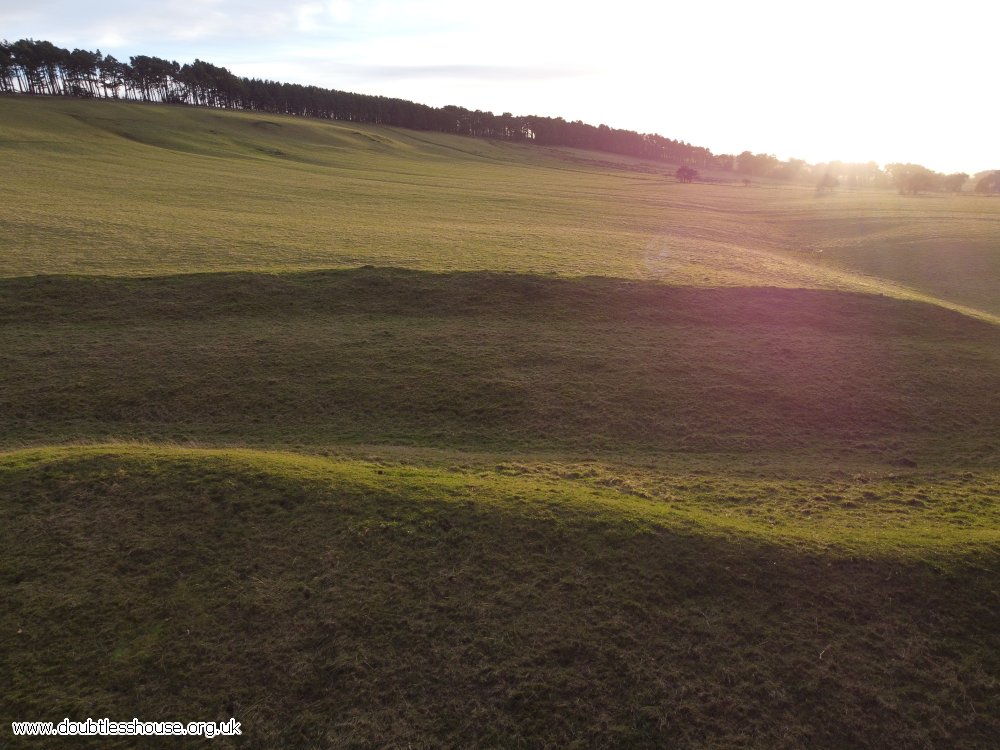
column 827, row 183
column 686, row 174
column 953, row 183
column 989, row 183
column 912, row 178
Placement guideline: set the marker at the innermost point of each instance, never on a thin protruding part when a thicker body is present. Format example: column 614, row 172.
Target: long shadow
column 482, row 360
column 405, row 292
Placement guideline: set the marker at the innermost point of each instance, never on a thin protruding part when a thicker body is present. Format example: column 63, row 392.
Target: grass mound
column 495, row 361
column 345, row 603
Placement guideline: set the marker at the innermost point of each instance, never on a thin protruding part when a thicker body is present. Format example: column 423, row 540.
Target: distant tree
column 7, row 69
column 789, row 170
column 863, row 175
column 154, row 77
column 827, row 183
column 756, row 165
column 81, row 72
column 686, row 174
column 49, row 64
column 912, row 178
column 953, row 183
column 725, row 162
column 27, row 65
column 111, row 76
column 989, row 183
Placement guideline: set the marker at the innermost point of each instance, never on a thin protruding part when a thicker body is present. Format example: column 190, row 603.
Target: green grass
column 370, row 437
column 496, row 361
column 502, row 607
column 117, row 189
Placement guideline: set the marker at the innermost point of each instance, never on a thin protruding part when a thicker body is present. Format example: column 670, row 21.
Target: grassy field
column 423, row 607
column 116, row 189
column 496, row 361
column 375, row 438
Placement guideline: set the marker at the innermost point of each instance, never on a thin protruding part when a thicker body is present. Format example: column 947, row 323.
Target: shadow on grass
column 340, row 614
column 484, row 360
column 397, row 291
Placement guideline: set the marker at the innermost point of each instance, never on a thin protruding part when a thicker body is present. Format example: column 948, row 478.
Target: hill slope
column 99, row 187
column 460, row 608
column 496, row 361
column 575, row 455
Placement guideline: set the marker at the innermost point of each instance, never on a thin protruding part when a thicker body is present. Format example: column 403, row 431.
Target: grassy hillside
column 370, row 437
column 496, row 361
column 481, row 609
column 118, row 189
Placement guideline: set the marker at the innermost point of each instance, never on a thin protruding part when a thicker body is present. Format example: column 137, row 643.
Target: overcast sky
column 877, row 80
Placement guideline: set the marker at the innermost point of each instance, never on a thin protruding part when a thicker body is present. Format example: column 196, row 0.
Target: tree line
column 40, row 67
column 906, row 178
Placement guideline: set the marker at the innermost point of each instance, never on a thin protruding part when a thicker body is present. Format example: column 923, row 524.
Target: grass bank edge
column 837, row 531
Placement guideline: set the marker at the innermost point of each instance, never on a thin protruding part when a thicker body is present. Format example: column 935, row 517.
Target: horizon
column 747, row 79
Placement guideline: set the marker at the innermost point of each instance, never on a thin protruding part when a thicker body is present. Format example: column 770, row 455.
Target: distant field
column 104, row 188
column 368, row 437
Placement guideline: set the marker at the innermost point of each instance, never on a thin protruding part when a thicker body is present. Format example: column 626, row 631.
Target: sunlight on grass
column 369, row 437
column 909, row 514
column 103, row 188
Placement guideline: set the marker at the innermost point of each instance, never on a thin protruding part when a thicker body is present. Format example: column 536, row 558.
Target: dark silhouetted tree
column 686, row 174
column 7, row 67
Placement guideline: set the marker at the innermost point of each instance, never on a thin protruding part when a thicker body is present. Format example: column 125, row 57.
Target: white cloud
column 339, row 10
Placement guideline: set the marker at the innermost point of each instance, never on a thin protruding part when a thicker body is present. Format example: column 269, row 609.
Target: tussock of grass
column 367, row 603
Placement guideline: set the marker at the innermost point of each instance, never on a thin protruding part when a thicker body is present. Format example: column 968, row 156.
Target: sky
column 878, row 80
